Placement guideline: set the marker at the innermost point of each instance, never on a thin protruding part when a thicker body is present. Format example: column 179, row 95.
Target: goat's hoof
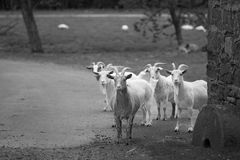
column 104, row 109
column 158, row 118
column 176, row 130
column 164, row 119
column 190, row 130
column 148, row 125
column 143, row 123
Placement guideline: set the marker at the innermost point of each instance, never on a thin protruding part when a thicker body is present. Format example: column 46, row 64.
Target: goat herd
column 126, row 92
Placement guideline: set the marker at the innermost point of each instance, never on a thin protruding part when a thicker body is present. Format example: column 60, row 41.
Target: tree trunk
column 176, row 21
column 32, row 31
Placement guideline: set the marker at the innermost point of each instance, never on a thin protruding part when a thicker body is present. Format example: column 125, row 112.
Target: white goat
column 163, row 90
column 96, row 67
column 187, row 95
column 145, row 74
column 107, row 85
column 130, row 95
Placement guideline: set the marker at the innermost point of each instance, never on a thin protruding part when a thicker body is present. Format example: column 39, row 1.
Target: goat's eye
column 147, row 71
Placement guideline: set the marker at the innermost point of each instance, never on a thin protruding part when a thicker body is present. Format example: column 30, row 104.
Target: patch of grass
column 101, row 39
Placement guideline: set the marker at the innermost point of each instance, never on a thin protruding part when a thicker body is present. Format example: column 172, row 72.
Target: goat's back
column 140, row 92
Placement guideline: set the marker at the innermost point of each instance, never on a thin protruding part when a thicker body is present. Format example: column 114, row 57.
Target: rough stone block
column 216, row 129
column 236, row 77
column 228, row 46
column 231, row 100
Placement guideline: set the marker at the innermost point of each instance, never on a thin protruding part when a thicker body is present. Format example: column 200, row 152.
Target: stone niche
column 218, row 124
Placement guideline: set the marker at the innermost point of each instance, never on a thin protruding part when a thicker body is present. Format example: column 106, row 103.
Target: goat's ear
column 159, row 68
column 184, row 71
column 168, row 72
column 111, row 72
column 128, row 76
column 109, row 76
column 147, row 70
column 89, row 67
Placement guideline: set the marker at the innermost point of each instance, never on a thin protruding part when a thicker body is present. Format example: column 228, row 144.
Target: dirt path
column 46, row 105
column 49, row 111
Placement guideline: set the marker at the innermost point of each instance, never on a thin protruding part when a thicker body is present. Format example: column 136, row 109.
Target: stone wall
column 218, row 124
column 223, row 67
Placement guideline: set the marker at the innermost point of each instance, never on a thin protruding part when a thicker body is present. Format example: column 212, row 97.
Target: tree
column 31, row 27
column 178, row 11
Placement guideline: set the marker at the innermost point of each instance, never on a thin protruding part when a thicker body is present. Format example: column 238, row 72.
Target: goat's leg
column 119, row 128
column 176, row 115
column 191, row 123
column 173, row 110
column 144, row 115
column 114, row 123
column 159, row 110
column 129, row 129
column 178, row 121
column 149, row 120
column 164, row 104
column 107, row 104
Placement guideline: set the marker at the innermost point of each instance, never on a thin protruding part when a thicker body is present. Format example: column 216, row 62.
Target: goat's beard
column 176, row 89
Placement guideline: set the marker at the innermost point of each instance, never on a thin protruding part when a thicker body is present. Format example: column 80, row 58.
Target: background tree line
column 97, row 4
column 177, row 9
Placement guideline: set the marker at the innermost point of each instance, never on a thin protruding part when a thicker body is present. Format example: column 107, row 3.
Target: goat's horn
column 182, row 66
column 155, row 64
column 109, row 65
column 148, row 66
column 93, row 63
column 100, row 63
column 173, row 65
column 124, row 70
column 115, row 69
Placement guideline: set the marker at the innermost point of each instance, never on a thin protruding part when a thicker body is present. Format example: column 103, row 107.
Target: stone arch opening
column 206, row 143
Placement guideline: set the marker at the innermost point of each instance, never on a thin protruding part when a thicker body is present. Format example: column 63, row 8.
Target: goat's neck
column 122, row 93
column 122, row 98
column 179, row 89
column 161, row 79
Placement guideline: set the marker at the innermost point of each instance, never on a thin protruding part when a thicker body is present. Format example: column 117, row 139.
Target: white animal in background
column 105, row 84
column 130, row 95
column 145, row 74
column 187, row 95
column 125, row 28
column 188, row 48
column 187, row 27
column 63, row 26
column 201, row 28
column 96, row 67
column 163, row 90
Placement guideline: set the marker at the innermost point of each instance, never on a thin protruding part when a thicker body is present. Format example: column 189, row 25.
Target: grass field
column 101, row 39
